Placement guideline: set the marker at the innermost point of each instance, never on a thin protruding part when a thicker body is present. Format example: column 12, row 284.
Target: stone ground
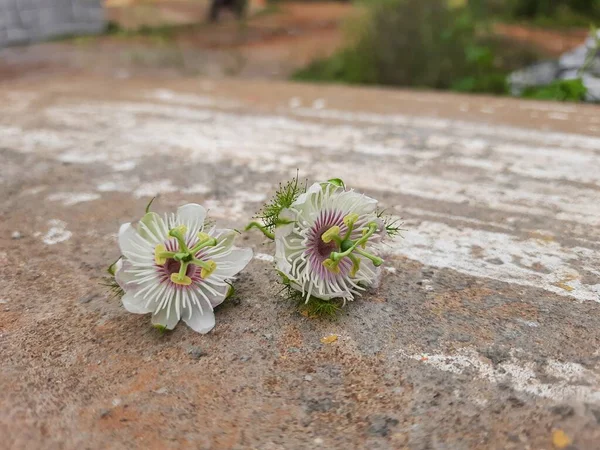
column 484, row 332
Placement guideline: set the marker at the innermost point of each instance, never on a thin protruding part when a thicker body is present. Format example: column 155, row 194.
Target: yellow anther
column 203, row 236
column 350, row 220
column 355, row 267
column 178, row 279
column 330, row 234
column 159, row 260
column 331, row 265
column 207, row 271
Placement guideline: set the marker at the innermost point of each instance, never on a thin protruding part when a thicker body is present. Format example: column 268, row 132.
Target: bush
column 542, row 12
column 419, row 43
column 561, row 90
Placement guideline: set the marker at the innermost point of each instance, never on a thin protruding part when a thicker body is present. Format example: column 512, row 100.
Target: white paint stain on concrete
column 574, row 382
column 197, row 188
column 264, row 257
column 235, row 207
column 152, row 189
column 504, row 257
column 73, row 198
column 124, row 166
column 57, row 233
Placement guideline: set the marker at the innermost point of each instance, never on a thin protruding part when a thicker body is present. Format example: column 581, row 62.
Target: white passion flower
column 324, row 242
column 176, row 269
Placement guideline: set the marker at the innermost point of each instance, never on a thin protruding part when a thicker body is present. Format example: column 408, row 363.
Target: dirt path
column 268, row 45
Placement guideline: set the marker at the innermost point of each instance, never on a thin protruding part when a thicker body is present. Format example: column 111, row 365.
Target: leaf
column 329, row 339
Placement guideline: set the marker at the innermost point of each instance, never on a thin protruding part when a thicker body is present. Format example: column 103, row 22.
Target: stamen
column 209, row 269
column 350, row 220
column 203, row 236
column 355, row 265
column 183, row 281
column 159, row 259
column 207, row 242
column 332, row 234
column 331, row 265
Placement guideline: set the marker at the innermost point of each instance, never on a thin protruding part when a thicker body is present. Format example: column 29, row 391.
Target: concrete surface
column 484, row 332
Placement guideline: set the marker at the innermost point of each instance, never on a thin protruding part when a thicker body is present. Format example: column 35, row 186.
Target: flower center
column 173, row 266
column 345, row 247
column 180, row 266
column 325, row 249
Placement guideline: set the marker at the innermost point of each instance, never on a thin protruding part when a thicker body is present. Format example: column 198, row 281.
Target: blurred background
column 544, row 49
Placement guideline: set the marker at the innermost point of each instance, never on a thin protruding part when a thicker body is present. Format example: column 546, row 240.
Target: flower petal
column 201, row 322
column 285, row 229
column 131, row 243
column 192, row 216
column 234, row 262
column 136, row 305
column 160, row 317
column 153, row 228
column 123, row 278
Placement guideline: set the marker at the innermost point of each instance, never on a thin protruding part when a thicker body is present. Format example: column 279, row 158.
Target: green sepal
column 150, row 220
column 230, row 291
column 337, row 182
column 111, row 269
column 284, row 278
column 161, row 328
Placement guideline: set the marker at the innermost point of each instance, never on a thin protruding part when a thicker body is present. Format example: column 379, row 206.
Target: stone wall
column 23, row 21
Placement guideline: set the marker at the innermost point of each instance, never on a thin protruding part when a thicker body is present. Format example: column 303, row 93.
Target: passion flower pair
column 178, row 268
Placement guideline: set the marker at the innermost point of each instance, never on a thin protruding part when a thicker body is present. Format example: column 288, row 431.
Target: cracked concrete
column 482, row 334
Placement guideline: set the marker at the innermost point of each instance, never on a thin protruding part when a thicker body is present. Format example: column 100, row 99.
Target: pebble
column 16, row 235
column 245, row 358
column 88, row 298
column 196, row 352
column 308, row 378
column 381, row 425
column 318, row 441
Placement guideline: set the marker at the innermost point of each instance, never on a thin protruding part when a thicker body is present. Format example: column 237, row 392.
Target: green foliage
column 313, row 307
column 421, row 44
column 113, row 287
column 561, row 90
column 392, row 224
column 551, row 13
column 283, row 198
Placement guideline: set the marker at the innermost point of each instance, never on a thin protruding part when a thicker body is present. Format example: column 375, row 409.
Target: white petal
column 124, row 278
column 234, row 262
column 225, row 239
column 192, row 216
column 315, row 188
column 153, row 228
column 281, row 261
column 136, row 305
column 282, row 231
column 132, row 245
column 201, row 322
column 160, row 317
